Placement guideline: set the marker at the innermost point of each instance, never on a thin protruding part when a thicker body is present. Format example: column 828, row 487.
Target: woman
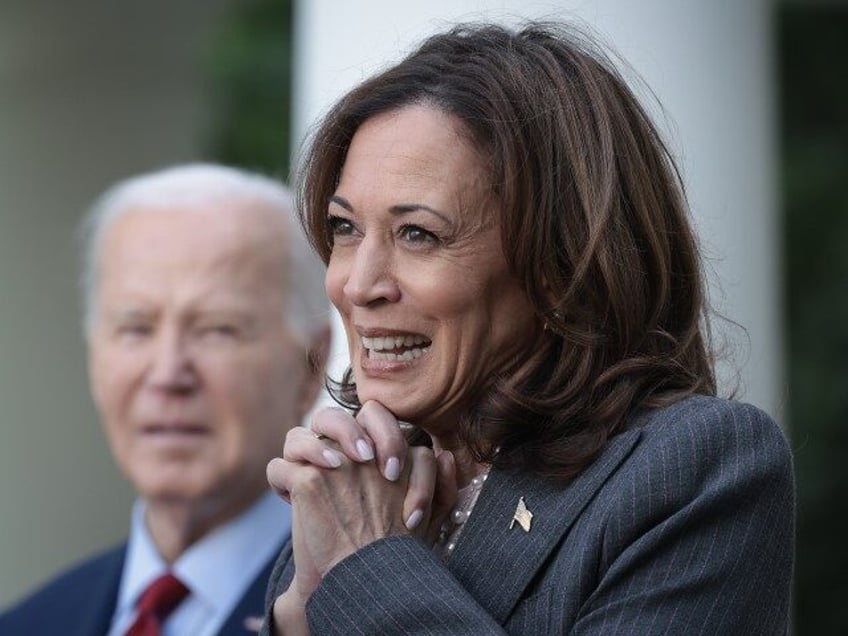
column 508, row 244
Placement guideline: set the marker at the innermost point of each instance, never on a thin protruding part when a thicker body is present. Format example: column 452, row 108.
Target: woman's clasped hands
column 352, row 480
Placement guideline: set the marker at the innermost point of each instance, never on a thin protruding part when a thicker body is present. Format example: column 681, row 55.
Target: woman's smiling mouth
column 395, row 348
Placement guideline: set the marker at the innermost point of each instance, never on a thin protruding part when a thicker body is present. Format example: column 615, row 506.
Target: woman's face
column 417, row 272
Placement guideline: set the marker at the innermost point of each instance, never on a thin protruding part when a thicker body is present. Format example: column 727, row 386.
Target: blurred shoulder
column 71, row 588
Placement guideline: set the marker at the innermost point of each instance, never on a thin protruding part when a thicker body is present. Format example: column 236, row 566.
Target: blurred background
column 97, row 90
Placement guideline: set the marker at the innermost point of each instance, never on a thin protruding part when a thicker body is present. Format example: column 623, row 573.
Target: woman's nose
column 371, row 278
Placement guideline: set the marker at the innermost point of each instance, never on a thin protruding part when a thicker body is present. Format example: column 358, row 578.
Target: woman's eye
column 339, row 226
column 416, row 234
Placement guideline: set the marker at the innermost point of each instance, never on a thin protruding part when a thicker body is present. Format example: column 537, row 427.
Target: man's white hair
column 190, row 185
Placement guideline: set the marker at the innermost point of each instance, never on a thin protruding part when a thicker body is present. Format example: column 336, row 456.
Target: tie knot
column 162, row 596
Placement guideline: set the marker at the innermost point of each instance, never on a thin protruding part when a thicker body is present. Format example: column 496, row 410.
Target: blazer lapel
column 496, row 563
column 98, row 596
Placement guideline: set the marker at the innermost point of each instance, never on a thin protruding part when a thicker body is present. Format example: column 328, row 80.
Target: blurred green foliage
column 813, row 49
column 248, row 69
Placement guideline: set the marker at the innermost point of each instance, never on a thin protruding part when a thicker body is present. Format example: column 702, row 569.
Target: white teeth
column 410, row 354
column 386, row 347
column 392, row 342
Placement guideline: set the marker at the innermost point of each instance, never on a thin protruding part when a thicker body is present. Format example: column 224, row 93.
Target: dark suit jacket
column 683, row 525
column 81, row 602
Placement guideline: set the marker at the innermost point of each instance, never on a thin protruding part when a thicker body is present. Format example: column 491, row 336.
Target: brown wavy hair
column 594, row 222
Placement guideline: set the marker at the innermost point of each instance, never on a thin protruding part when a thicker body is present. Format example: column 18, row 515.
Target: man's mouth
column 174, row 429
column 400, row 348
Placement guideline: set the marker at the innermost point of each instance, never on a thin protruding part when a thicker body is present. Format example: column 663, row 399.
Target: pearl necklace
column 466, row 497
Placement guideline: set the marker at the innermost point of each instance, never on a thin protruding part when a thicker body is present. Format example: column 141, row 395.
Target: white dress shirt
column 218, row 569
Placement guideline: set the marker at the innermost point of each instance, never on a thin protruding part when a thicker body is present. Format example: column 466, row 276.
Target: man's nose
column 172, row 367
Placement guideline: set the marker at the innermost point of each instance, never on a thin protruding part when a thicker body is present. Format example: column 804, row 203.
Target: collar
column 218, row 568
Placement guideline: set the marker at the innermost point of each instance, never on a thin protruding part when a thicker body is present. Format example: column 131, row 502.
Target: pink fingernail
column 414, row 519
column 332, row 457
column 393, row 469
column 364, row 450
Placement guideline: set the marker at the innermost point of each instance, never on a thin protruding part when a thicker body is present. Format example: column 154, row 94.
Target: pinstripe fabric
column 683, row 525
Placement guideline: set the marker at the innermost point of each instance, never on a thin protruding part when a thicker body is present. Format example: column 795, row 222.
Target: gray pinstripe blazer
column 683, row 525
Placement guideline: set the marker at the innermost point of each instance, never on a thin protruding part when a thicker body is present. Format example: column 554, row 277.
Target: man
column 207, row 330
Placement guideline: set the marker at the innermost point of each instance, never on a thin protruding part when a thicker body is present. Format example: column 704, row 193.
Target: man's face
column 193, row 368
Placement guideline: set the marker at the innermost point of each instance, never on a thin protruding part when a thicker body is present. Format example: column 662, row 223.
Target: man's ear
column 316, row 367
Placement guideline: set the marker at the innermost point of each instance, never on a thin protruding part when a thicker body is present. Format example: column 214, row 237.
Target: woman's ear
column 316, row 366
column 550, row 313
column 549, row 298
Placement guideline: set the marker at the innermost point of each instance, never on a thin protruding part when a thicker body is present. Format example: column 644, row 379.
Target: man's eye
column 219, row 331
column 417, row 234
column 133, row 332
column 135, row 329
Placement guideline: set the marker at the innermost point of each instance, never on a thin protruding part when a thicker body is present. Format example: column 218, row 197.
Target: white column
column 710, row 66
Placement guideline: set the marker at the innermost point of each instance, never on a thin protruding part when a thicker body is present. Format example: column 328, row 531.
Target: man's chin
column 170, row 496
column 175, row 485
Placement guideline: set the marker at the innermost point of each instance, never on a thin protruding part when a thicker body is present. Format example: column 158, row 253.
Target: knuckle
column 376, row 414
column 275, row 472
column 306, row 480
column 296, row 444
column 422, row 455
column 328, row 416
column 270, row 472
column 420, row 492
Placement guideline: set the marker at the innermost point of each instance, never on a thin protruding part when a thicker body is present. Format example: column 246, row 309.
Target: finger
column 276, row 474
column 420, row 488
column 390, row 444
column 306, row 577
column 341, row 427
column 445, row 495
column 304, row 446
column 292, row 480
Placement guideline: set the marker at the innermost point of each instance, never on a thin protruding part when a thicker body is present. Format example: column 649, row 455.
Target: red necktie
column 159, row 599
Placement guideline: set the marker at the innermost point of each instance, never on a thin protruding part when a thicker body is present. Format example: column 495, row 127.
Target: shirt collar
column 218, row 568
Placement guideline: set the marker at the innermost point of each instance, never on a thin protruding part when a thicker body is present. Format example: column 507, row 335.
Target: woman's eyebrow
column 398, row 209
column 342, row 202
column 406, row 208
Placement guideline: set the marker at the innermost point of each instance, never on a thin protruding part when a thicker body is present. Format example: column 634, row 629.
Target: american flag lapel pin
column 522, row 515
